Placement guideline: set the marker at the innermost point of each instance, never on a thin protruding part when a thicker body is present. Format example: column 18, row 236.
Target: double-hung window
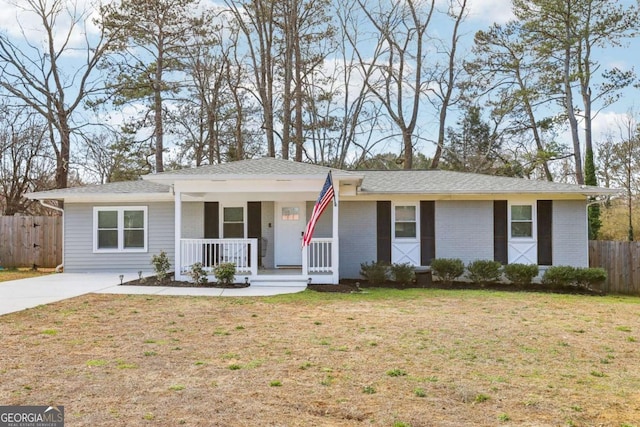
column 405, row 222
column 522, row 221
column 120, row 229
column 233, row 222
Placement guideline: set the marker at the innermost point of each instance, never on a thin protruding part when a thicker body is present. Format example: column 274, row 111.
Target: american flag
column 326, row 195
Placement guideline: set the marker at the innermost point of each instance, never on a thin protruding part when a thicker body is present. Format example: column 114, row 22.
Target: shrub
column 559, row 275
column 225, row 272
column 590, row 277
column 520, row 274
column 161, row 265
column 376, row 273
column 403, row 273
column 198, row 274
column 484, row 271
column 447, row 269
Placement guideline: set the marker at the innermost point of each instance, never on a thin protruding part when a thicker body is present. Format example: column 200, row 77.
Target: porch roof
column 254, row 169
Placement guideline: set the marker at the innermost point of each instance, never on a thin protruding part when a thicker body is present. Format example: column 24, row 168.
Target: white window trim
column 120, row 210
column 534, row 222
column 393, row 222
column 244, row 219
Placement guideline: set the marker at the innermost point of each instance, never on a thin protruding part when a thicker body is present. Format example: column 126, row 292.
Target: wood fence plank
column 22, row 244
column 621, row 260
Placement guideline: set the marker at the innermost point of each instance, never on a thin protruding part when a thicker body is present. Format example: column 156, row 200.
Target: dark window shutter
column 211, row 231
column 254, row 225
column 384, row 231
column 254, row 220
column 545, row 226
column 500, row 232
column 427, row 232
column 211, row 220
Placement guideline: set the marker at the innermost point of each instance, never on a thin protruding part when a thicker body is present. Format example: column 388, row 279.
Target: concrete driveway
column 16, row 295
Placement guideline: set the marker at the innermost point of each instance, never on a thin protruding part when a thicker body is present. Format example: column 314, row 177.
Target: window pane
column 521, row 229
column 233, row 230
column 107, row 219
column 290, row 214
column 406, row 213
column 133, row 219
column 133, row 239
column 233, row 215
column 521, row 213
column 405, row 229
column 107, row 239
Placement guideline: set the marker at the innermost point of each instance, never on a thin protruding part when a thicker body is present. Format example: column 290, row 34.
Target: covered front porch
column 249, row 255
column 258, row 226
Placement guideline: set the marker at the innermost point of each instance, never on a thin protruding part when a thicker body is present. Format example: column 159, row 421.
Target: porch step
column 278, row 281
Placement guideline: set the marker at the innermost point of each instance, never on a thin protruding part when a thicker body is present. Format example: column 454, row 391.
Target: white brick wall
column 570, row 235
column 464, row 229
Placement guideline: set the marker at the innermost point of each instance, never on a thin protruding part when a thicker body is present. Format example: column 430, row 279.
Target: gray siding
column 357, row 237
column 324, row 226
column 570, row 235
column 192, row 220
column 464, row 229
column 78, row 248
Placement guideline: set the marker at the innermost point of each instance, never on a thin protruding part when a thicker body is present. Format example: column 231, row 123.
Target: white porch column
column 335, row 246
column 178, row 235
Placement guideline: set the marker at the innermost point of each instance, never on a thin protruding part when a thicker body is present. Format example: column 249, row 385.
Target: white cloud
column 490, row 11
column 19, row 21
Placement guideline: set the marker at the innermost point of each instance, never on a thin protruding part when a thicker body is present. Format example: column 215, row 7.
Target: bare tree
column 34, row 73
column 256, row 21
column 24, row 162
column 401, row 29
column 446, row 78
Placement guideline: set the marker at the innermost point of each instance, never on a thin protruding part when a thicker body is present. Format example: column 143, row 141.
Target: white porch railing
column 211, row 252
column 319, row 256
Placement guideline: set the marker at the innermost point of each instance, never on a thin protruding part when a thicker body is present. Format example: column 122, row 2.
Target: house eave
column 109, row 198
column 491, row 194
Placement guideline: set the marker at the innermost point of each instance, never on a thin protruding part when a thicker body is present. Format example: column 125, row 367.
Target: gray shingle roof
column 125, row 187
column 448, row 182
column 263, row 166
column 374, row 182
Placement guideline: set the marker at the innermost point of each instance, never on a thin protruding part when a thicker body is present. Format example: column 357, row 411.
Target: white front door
column 290, row 224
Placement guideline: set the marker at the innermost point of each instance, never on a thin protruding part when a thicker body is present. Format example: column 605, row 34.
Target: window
column 120, row 229
column 522, row 221
column 290, row 214
column 233, row 222
column 405, row 221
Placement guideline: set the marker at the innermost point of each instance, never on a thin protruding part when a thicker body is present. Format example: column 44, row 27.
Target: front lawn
column 419, row 357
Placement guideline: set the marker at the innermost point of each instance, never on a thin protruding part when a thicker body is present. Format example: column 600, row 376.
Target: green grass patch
column 97, row 362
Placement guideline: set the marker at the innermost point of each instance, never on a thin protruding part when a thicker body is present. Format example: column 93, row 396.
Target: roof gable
column 251, row 168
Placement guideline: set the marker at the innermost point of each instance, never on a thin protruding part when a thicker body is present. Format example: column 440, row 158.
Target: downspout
column 55, row 208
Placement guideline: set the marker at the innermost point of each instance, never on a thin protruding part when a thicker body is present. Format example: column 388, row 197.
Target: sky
column 481, row 15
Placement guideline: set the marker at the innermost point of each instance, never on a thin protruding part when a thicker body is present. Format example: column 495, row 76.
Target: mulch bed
column 351, row 286
column 170, row 282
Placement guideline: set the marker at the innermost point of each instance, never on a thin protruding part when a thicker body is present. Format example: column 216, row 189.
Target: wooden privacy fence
column 621, row 260
column 27, row 241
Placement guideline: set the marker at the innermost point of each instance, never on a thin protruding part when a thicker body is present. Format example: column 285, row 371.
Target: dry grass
column 22, row 273
column 386, row 358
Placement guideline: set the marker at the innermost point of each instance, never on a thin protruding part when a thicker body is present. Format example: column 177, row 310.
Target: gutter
column 55, row 208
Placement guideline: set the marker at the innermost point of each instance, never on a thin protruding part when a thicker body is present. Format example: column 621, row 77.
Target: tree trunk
column 573, row 121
